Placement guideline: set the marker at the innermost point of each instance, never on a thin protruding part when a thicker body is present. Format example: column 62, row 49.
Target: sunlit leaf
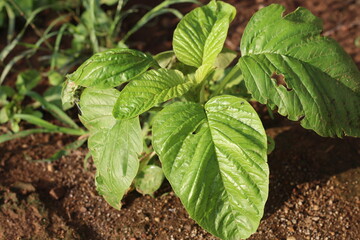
column 287, row 64
column 215, row 159
column 200, row 35
column 115, row 152
column 148, row 90
column 111, row 68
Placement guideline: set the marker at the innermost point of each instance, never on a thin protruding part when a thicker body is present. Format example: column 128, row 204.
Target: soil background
column 314, row 181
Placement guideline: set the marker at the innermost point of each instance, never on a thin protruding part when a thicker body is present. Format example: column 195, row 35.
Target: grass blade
column 45, row 124
column 11, row 136
column 156, row 11
column 26, row 53
column 117, row 18
column 4, row 53
column 53, row 109
column 57, row 46
column 92, row 30
column 11, row 27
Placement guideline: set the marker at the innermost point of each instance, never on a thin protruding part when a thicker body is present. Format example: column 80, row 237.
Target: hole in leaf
column 280, row 80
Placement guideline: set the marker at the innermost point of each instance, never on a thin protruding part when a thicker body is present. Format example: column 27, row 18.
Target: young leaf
column 115, row 152
column 149, row 179
column 288, row 64
column 148, row 90
column 200, row 35
column 96, row 108
column 111, row 68
column 215, row 159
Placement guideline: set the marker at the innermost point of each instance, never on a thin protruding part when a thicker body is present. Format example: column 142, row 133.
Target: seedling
column 213, row 147
column 13, row 109
column 103, row 30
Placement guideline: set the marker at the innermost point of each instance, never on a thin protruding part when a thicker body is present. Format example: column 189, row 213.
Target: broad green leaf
column 200, row 35
column 111, row 68
column 149, row 179
column 148, row 90
column 288, row 64
column 96, row 107
column 215, row 159
column 27, row 80
column 115, row 152
column 168, row 59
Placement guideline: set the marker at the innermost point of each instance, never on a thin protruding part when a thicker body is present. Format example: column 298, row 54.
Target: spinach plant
column 213, row 146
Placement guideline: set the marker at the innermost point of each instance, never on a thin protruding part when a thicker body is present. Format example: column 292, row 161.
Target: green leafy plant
column 94, row 23
column 12, row 109
column 212, row 146
column 103, row 28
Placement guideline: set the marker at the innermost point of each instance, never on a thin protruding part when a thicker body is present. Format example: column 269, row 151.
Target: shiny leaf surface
column 215, row 159
column 288, row 64
column 111, row 68
column 200, row 35
column 149, row 179
column 96, row 107
column 148, row 90
column 115, row 152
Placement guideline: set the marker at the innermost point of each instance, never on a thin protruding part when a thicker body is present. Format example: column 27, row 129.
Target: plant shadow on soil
column 302, row 156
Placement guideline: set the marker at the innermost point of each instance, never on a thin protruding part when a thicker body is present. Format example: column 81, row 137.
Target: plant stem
column 49, row 126
column 234, row 71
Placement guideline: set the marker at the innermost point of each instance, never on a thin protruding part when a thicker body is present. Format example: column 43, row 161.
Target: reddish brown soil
column 314, row 188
